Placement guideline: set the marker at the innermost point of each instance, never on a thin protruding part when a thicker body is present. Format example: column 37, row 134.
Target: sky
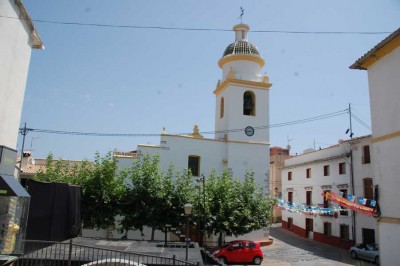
column 138, row 79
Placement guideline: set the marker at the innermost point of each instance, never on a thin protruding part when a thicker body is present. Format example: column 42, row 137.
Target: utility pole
column 351, row 128
column 23, row 131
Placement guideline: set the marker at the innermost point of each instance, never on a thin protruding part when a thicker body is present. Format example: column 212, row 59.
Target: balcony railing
column 68, row 253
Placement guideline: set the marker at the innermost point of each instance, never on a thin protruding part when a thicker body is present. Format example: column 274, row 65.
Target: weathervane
column 241, row 14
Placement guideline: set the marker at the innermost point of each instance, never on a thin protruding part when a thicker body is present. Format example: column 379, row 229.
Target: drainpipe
column 353, row 213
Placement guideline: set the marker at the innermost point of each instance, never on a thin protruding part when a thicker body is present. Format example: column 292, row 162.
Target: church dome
column 241, row 49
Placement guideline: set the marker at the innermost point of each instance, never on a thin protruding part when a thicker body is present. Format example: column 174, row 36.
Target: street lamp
column 167, row 226
column 187, row 208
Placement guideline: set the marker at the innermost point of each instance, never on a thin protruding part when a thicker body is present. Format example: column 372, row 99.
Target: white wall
column 234, row 118
column 245, row 70
column 15, row 53
column 384, row 80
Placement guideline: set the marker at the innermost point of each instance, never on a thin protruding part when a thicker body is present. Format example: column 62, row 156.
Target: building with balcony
column 344, row 169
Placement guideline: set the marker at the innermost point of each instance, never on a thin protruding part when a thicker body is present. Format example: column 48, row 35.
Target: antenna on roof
column 288, row 143
column 241, row 14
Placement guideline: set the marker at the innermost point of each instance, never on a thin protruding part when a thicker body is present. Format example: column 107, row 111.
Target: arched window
column 249, row 103
column 221, row 112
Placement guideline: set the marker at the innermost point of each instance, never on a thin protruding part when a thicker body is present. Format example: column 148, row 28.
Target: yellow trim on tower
column 386, row 137
column 215, row 140
column 388, row 220
column 379, row 54
column 233, row 57
column 238, row 26
column 247, row 83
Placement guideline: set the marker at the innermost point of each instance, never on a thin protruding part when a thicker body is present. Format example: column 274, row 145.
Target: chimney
column 26, row 158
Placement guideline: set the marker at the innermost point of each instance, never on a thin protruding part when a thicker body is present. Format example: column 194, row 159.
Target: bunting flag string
column 357, row 204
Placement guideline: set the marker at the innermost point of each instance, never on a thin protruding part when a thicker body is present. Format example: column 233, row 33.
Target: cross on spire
column 241, row 14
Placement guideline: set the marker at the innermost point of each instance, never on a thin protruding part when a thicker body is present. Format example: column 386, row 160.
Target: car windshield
column 229, row 243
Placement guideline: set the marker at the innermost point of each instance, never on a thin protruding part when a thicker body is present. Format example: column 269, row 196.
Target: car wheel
column 222, row 260
column 353, row 255
column 377, row 262
column 257, row 260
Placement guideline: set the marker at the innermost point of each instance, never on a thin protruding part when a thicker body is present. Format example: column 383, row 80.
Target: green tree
column 102, row 191
column 101, row 188
column 235, row 207
column 154, row 198
column 143, row 195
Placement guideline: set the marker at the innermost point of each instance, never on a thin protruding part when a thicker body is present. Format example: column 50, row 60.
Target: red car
column 239, row 251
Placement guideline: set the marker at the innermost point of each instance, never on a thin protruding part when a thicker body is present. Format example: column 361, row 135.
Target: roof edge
column 34, row 35
column 380, row 50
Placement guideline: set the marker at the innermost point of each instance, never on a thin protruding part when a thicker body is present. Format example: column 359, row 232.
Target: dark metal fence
column 38, row 253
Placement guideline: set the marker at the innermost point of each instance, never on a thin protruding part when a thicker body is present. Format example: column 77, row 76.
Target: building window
column 249, row 103
column 221, row 112
column 289, row 176
column 290, row 223
column 308, row 198
column 366, row 158
column 290, row 197
column 194, row 165
column 343, row 192
column 308, row 172
column 326, row 170
column 326, row 201
column 327, row 229
column 368, row 188
column 342, row 168
column 344, row 232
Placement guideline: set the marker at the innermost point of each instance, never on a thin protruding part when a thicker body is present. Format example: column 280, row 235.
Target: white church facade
column 241, row 141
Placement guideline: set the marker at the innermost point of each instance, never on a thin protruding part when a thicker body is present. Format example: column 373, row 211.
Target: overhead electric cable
column 193, row 29
column 361, row 122
column 96, row 134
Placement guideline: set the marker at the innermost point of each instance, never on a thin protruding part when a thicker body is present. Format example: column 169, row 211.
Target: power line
column 361, row 122
column 195, row 29
column 97, row 134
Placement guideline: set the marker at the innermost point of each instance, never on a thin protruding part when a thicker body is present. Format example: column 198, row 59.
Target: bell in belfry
column 248, row 104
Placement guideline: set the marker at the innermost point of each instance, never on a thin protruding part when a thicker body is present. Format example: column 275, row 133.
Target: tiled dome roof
column 241, row 48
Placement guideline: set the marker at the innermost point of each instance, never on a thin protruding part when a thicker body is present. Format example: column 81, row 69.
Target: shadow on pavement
column 313, row 247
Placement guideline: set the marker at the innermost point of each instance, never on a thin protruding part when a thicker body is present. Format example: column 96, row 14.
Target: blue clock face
column 249, row 131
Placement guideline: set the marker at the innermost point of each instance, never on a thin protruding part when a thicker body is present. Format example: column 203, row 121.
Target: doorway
column 309, row 228
column 368, row 236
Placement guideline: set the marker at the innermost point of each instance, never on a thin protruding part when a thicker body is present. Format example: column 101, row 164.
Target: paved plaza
column 289, row 249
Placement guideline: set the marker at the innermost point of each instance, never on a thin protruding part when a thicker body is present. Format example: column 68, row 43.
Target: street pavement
column 289, row 249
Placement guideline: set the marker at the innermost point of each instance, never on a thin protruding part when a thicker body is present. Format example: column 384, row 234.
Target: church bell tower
column 242, row 94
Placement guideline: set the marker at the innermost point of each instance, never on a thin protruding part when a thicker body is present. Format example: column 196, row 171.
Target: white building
column 18, row 38
column 344, row 169
column 241, row 116
column 383, row 66
column 241, row 141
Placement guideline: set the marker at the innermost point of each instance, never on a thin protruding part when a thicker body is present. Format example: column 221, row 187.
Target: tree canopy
column 144, row 195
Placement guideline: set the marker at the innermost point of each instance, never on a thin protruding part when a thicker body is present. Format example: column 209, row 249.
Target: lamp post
column 167, row 226
column 187, row 208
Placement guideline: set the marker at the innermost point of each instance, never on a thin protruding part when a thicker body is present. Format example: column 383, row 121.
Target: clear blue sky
column 127, row 80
